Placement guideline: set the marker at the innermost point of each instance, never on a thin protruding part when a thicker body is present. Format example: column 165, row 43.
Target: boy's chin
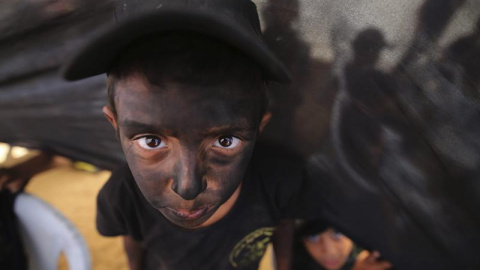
column 189, row 219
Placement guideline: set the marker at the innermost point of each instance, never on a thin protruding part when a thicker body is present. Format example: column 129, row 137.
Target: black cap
column 234, row 22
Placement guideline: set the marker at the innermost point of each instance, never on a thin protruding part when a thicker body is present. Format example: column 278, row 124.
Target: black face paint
column 187, row 147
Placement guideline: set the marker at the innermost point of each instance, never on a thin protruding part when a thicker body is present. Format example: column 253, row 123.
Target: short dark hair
column 312, row 227
column 189, row 58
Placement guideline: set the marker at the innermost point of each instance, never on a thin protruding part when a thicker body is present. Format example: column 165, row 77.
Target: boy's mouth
column 189, row 214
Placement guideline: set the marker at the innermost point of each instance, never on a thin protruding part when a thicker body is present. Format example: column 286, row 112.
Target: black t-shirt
column 269, row 192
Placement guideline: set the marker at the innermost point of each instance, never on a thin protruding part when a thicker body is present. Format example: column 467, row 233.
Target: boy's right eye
column 151, row 142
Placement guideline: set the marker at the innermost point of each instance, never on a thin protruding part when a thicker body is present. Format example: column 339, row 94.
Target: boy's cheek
column 227, row 173
column 155, row 169
column 154, row 184
column 218, row 160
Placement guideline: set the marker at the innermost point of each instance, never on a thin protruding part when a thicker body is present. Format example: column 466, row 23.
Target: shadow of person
column 435, row 15
column 365, row 84
column 465, row 51
column 371, row 104
column 301, row 110
column 279, row 17
column 280, row 35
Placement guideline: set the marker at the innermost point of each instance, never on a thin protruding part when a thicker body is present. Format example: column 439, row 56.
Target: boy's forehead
column 177, row 106
column 137, row 85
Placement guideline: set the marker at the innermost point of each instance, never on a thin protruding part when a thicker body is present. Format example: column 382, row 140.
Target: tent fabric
column 384, row 105
column 39, row 109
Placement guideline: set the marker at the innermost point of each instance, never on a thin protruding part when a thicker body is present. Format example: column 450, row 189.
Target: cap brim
column 97, row 57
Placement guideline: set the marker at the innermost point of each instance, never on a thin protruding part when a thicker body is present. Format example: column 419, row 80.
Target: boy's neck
column 223, row 210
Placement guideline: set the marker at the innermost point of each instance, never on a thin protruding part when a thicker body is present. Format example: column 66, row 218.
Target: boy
column 186, row 83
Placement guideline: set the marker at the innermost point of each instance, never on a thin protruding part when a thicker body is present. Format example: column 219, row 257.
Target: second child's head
column 329, row 248
column 187, row 110
column 325, row 245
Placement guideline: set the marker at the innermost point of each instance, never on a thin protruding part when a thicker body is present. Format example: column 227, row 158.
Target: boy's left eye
column 226, row 142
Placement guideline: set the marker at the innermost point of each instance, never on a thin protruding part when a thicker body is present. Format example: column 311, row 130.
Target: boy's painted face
column 329, row 248
column 187, row 147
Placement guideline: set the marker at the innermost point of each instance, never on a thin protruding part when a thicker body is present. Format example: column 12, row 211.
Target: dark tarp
column 384, row 104
column 38, row 108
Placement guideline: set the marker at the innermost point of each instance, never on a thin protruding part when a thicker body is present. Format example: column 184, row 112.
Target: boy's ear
column 265, row 119
column 110, row 116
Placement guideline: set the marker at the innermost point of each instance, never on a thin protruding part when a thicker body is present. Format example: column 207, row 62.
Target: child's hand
column 12, row 181
column 369, row 261
column 16, row 178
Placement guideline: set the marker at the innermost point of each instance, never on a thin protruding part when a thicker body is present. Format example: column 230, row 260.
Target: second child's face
column 329, row 248
column 187, row 147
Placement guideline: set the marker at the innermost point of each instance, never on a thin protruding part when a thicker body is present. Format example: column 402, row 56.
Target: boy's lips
column 189, row 214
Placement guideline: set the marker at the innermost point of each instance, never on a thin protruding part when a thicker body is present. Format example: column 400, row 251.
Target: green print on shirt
column 252, row 247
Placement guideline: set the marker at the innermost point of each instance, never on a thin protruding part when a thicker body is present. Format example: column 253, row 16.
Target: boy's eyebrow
column 132, row 126
column 230, row 128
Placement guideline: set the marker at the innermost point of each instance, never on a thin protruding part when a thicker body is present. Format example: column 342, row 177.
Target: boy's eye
column 227, row 142
column 151, row 142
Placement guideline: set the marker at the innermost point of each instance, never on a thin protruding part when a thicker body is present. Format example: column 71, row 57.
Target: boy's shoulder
column 118, row 201
column 119, row 182
column 121, row 190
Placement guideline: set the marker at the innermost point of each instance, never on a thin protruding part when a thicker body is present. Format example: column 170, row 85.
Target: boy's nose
column 187, row 182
